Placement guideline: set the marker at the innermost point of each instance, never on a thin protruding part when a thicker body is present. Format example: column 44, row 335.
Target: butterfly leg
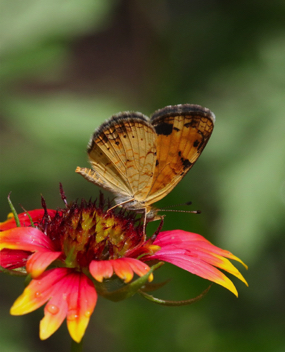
column 145, row 222
column 120, row 204
column 153, row 237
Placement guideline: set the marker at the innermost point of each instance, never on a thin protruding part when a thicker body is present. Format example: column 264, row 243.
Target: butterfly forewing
column 182, row 133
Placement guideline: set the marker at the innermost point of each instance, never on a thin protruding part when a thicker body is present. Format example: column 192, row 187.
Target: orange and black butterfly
column 141, row 160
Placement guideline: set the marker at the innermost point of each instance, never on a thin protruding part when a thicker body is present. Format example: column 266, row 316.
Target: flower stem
column 76, row 347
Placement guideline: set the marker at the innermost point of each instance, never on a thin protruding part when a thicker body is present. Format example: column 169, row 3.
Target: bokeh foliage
column 67, row 65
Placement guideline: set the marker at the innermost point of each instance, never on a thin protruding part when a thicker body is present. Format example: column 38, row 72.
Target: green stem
column 76, row 347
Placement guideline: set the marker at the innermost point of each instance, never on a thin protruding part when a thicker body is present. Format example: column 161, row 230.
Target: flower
column 74, row 254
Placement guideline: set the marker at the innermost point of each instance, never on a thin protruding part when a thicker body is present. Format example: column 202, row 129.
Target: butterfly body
column 140, row 160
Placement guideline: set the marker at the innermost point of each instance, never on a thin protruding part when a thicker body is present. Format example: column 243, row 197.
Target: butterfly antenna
column 182, row 211
column 178, row 205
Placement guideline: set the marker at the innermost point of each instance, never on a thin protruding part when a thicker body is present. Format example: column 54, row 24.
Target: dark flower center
column 86, row 232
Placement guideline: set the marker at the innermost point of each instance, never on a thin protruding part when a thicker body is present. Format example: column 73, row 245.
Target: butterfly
column 140, row 160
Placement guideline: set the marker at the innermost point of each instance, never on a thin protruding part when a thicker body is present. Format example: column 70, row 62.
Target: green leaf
column 14, row 272
column 14, row 211
column 29, row 216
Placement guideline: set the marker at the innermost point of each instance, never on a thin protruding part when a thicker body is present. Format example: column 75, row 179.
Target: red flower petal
column 81, row 303
column 195, row 254
column 124, row 268
column 184, row 239
column 38, row 291
column 12, row 259
column 36, row 216
column 55, row 310
column 71, row 294
column 101, row 269
column 197, row 267
column 25, row 238
column 39, row 261
column 139, row 267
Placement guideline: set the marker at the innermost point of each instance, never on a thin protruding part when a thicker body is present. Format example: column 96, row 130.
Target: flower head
column 71, row 253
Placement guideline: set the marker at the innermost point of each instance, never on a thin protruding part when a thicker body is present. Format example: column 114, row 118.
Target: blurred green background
column 67, row 65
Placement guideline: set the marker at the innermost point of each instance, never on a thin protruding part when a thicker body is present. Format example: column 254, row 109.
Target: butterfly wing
column 182, row 133
column 122, row 153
